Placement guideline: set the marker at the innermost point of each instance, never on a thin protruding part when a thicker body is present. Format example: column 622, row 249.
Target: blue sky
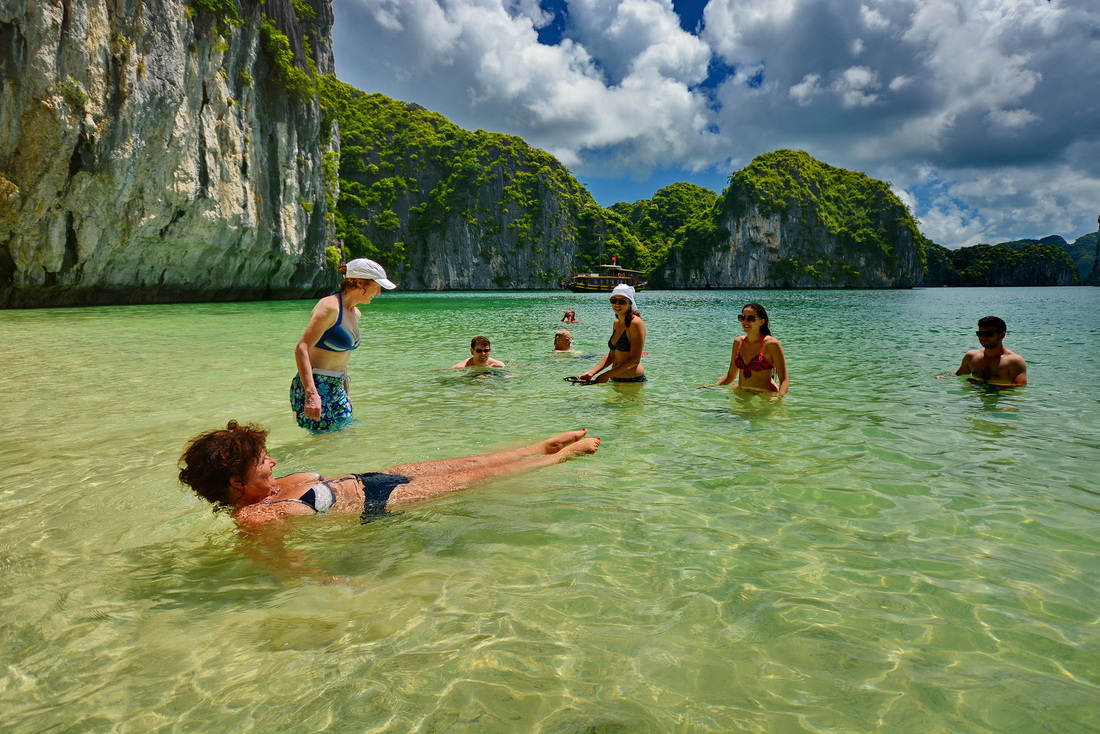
column 984, row 115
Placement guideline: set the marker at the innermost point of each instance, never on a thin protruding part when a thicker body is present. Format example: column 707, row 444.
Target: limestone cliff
column 161, row 150
column 1081, row 251
column 444, row 208
column 789, row 221
column 1032, row 264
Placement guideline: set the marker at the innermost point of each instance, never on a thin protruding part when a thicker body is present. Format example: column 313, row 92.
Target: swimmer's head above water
column 215, row 459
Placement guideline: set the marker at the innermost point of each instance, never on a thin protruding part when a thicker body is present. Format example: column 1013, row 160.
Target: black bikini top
column 622, row 345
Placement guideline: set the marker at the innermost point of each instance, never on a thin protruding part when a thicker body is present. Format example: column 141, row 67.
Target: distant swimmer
column 563, row 341
column 757, row 362
column 570, row 317
column 993, row 364
column 623, row 361
column 319, row 392
column 480, row 348
column 230, row 468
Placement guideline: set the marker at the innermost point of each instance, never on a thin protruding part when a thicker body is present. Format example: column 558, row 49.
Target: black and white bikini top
column 319, row 498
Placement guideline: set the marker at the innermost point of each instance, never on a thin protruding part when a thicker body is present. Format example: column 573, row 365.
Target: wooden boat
column 605, row 280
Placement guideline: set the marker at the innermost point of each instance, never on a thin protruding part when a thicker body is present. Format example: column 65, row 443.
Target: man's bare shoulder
column 461, row 365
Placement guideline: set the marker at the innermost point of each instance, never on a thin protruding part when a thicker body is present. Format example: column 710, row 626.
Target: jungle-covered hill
column 993, row 265
column 1082, row 251
column 786, row 220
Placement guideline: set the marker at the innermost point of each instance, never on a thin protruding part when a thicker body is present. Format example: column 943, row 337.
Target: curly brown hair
column 214, row 458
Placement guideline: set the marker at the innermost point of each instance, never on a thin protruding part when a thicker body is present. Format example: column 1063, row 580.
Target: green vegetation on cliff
column 848, row 204
column 408, row 176
column 297, row 81
column 1082, row 251
column 810, row 224
column 1032, row 264
column 422, row 194
column 678, row 216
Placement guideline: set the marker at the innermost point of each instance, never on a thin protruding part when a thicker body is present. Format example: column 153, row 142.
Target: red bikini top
column 759, row 363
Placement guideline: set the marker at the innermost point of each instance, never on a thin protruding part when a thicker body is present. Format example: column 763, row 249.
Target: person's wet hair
column 992, row 323
column 213, row 458
column 479, row 341
column 761, row 313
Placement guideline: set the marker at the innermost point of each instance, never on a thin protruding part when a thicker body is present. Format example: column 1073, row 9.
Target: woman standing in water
column 757, row 355
column 319, row 392
column 624, row 356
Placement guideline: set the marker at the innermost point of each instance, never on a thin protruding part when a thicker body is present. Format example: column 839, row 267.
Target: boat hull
column 599, row 285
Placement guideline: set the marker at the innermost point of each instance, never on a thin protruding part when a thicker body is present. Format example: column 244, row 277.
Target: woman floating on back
column 757, row 355
column 230, row 467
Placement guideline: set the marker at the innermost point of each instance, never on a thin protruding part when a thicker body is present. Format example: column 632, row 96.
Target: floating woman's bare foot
column 580, row 448
column 559, row 442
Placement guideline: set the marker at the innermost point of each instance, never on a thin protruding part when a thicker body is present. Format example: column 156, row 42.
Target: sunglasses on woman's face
column 742, row 317
column 619, row 301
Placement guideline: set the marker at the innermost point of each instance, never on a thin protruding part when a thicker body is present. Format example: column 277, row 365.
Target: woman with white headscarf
column 623, row 362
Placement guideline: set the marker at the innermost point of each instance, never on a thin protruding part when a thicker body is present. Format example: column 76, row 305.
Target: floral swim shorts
column 335, row 404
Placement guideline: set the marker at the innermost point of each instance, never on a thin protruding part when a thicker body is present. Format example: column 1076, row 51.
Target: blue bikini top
column 338, row 338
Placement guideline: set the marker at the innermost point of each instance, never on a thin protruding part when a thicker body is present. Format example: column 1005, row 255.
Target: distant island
column 1018, row 263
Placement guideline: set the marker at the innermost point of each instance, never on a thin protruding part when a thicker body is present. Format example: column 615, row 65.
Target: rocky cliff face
column 444, row 208
column 157, row 150
column 1035, row 264
column 789, row 221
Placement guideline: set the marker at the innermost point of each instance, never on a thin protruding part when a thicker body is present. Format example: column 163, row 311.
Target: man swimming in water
column 479, row 355
column 993, row 364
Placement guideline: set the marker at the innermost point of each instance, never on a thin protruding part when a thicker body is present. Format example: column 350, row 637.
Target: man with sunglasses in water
column 993, row 363
column 479, row 355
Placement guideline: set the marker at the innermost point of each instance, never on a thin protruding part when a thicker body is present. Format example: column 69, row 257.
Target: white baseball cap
column 368, row 270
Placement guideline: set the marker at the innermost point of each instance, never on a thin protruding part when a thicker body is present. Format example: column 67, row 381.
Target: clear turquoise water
column 878, row 552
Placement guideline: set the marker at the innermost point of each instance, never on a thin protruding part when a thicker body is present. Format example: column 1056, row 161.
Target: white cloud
column 806, row 90
column 1012, row 118
column 899, row 83
column 873, row 19
column 978, row 91
column 856, row 86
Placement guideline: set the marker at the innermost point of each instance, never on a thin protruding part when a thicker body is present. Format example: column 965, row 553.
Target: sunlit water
column 880, row 551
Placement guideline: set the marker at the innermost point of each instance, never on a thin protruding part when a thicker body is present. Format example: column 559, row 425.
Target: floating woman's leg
column 424, row 486
column 469, row 463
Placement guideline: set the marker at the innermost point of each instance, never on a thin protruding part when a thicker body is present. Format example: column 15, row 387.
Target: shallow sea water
column 880, row 551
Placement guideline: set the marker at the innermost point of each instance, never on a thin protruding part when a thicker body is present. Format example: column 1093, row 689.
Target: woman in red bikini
column 757, row 355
